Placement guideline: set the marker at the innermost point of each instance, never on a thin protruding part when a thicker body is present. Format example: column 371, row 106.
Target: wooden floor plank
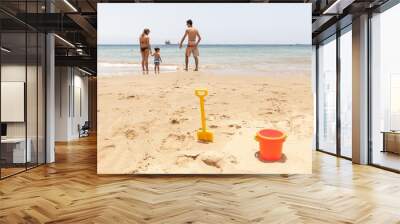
column 70, row 191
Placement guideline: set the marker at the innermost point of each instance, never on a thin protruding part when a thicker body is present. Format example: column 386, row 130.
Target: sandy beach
column 148, row 123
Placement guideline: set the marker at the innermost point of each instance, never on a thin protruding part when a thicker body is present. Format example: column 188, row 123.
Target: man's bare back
column 194, row 39
column 192, row 34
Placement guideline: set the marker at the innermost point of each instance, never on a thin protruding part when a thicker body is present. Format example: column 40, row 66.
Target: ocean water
column 225, row 59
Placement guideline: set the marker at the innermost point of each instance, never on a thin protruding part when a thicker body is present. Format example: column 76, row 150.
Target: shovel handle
column 201, row 92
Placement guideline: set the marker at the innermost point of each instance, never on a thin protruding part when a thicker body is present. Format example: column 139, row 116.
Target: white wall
column 62, row 82
column 70, row 84
column 80, row 110
column 14, row 73
column 33, row 127
column 11, row 73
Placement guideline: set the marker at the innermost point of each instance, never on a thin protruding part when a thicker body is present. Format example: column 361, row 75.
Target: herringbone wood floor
column 69, row 191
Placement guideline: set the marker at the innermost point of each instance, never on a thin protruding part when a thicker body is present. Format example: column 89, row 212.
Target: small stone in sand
column 213, row 126
column 174, row 121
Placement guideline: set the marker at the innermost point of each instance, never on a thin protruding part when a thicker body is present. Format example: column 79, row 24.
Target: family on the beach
column 193, row 41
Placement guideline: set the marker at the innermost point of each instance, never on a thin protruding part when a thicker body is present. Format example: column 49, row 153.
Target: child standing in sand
column 157, row 60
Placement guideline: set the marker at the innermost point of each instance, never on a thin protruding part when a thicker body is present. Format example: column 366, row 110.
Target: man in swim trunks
column 193, row 42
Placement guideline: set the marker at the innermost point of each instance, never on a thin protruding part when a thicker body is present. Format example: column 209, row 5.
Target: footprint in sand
column 130, row 134
column 228, row 133
column 176, row 142
column 271, row 99
column 277, row 109
column 298, row 117
column 181, row 110
column 128, row 97
column 144, row 163
column 217, row 159
column 234, row 126
column 186, row 158
column 112, row 146
column 105, row 94
column 213, row 159
column 232, row 159
column 283, row 124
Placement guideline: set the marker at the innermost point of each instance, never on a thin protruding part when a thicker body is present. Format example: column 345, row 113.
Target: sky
column 218, row 23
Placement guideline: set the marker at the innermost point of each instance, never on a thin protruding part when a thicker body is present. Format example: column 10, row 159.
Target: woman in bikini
column 145, row 50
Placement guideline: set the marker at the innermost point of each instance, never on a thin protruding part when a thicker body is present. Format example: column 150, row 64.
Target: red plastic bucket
column 271, row 142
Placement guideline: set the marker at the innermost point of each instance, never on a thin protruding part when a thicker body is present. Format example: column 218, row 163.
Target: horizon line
column 204, row 44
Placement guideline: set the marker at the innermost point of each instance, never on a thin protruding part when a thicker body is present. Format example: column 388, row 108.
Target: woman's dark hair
column 146, row 31
column 189, row 22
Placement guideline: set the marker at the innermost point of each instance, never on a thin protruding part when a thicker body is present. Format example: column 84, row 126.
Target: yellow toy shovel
column 203, row 134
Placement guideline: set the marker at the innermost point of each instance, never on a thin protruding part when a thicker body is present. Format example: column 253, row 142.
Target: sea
column 218, row 59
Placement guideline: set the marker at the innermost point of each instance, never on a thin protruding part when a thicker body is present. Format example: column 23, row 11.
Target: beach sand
column 147, row 124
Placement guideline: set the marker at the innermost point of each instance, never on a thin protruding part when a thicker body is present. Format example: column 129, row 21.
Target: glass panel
column 13, row 88
column 327, row 96
column 32, row 91
column 41, row 98
column 386, row 89
column 346, row 94
column 31, row 100
column 23, row 90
